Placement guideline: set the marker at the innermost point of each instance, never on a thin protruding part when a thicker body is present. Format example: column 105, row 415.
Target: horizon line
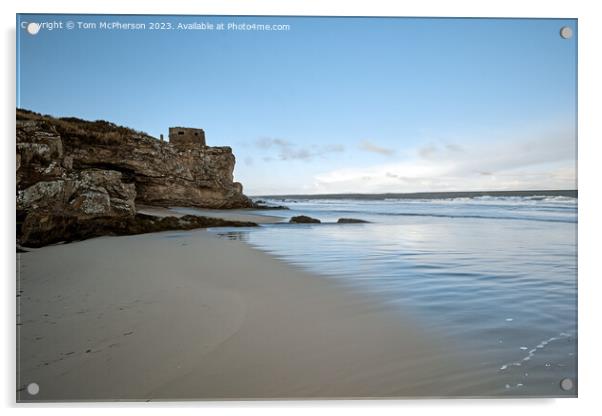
column 533, row 192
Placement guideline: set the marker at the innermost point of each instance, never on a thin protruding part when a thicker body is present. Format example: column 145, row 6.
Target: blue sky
column 333, row 104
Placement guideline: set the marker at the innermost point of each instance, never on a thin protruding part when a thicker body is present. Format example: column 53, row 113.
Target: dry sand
column 187, row 315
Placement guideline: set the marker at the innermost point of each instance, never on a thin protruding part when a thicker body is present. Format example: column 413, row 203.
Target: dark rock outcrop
column 55, row 228
column 351, row 221
column 75, row 178
column 257, row 205
column 261, row 204
column 304, row 219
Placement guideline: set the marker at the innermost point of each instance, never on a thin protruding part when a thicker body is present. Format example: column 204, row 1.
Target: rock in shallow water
column 351, row 221
column 304, row 219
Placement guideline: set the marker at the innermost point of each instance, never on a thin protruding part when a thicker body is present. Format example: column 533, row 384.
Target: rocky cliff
column 74, row 174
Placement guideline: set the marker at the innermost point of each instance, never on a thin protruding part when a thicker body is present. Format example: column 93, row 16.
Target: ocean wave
column 482, row 198
column 490, row 217
column 533, row 351
column 549, row 196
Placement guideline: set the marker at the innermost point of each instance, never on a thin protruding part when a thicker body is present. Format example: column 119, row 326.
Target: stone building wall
column 184, row 137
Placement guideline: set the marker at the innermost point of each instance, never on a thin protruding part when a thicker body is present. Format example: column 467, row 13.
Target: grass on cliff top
column 99, row 131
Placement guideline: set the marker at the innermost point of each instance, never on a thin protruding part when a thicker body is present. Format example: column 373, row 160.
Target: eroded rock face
column 87, row 193
column 39, row 153
column 73, row 173
column 164, row 175
column 54, row 210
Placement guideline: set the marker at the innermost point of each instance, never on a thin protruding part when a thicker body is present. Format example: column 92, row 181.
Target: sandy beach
column 187, row 315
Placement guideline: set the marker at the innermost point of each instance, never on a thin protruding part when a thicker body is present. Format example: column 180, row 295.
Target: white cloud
column 540, row 161
column 368, row 146
column 286, row 150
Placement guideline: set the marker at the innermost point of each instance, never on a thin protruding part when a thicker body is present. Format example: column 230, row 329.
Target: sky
column 327, row 105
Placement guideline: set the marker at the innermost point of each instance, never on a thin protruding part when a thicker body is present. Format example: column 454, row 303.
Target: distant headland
column 570, row 193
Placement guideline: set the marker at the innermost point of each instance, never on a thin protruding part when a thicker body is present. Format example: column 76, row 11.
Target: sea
column 494, row 273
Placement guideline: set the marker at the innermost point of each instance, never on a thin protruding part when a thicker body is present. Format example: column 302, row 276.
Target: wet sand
column 187, row 315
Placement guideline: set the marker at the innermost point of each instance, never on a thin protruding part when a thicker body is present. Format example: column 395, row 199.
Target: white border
column 589, row 188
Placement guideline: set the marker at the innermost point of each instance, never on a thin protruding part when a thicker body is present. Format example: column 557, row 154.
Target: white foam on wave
column 533, row 351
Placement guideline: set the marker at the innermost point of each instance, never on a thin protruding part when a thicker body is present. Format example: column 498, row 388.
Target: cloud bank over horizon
column 538, row 160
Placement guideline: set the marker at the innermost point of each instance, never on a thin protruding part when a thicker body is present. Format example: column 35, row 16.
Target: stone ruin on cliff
column 186, row 137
